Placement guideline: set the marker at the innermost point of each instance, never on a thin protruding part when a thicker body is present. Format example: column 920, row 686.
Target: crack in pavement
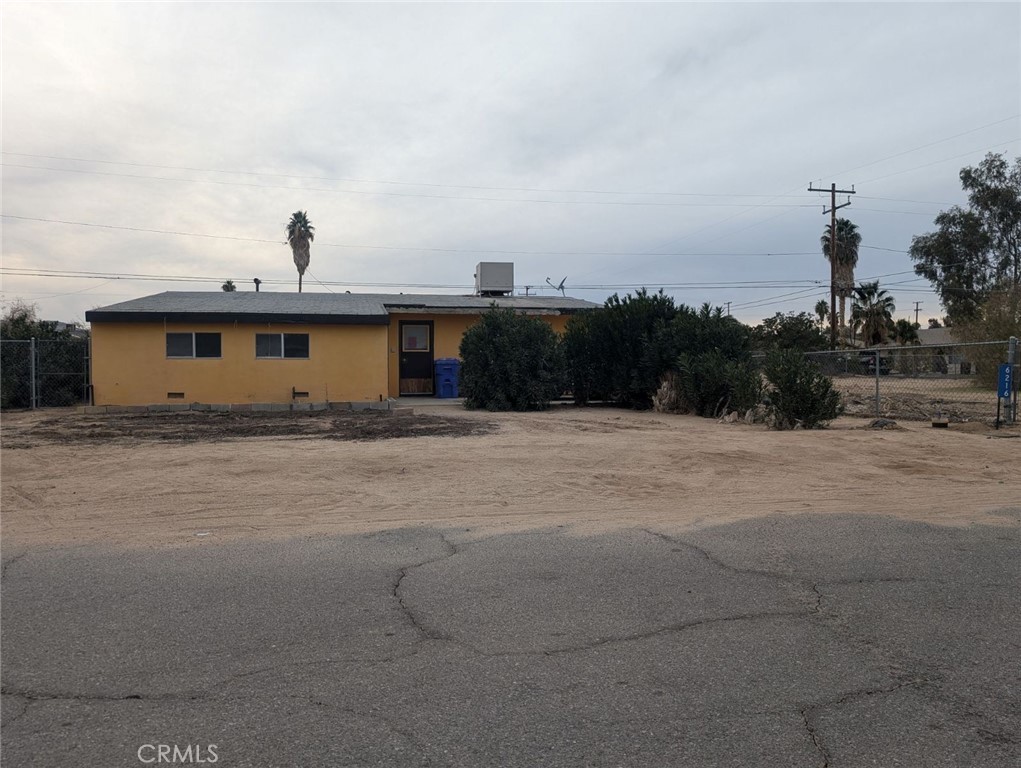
column 373, row 716
column 814, row 735
column 37, row 695
column 808, row 712
column 424, row 630
column 783, row 580
column 431, row 633
column 680, row 627
column 720, row 563
column 9, row 562
column 25, row 704
column 879, row 580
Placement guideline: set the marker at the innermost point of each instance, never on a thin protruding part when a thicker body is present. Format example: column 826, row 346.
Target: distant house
column 262, row 347
column 948, row 357
column 74, row 330
column 936, row 336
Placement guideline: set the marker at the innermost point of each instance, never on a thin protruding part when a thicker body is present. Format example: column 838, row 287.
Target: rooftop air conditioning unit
column 494, row 278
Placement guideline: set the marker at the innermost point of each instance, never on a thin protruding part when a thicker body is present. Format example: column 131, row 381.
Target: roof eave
column 103, row 316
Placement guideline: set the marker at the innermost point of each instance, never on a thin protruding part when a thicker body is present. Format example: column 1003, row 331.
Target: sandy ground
column 589, row 469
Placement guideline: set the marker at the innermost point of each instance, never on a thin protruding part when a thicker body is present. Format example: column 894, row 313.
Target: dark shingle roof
column 355, row 308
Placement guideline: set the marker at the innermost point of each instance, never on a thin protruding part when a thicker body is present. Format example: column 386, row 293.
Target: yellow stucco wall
column 447, row 333
column 130, row 366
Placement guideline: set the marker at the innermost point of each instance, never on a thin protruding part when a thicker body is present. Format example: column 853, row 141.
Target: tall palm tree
column 300, row 234
column 848, row 241
column 229, row 287
column 872, row 310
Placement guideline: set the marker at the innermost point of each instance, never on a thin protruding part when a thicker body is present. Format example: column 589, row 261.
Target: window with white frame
column 188, row 345
column 281, row 345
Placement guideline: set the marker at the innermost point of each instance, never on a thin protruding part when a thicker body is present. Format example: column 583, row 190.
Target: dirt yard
column 183, row 479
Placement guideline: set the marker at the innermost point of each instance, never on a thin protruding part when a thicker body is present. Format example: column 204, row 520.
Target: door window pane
column 415, row 338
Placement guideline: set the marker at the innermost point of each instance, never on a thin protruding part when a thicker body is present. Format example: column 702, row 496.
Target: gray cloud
column 709, row 98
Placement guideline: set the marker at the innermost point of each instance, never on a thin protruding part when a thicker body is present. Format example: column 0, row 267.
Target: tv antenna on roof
column 558, row 287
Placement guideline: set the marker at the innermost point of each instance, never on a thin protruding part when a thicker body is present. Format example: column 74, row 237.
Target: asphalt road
column 785, row 641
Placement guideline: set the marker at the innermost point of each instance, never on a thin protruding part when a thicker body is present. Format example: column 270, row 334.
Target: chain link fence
column 43, row 373
column 953, row 381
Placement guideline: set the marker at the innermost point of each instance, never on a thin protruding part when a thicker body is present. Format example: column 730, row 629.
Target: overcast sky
column 614, row 144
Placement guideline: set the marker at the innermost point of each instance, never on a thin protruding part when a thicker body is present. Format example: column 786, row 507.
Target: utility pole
column 917, row 305
column 728, row 308
column 832, row 210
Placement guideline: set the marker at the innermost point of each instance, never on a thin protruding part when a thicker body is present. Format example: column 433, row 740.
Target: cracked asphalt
column 782, row 641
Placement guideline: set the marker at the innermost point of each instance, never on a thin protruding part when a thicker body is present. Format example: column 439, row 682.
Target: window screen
column 267, row 345
column 179, row 345
column 295, row 345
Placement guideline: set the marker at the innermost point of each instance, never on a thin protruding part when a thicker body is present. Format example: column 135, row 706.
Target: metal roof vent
column 494, row 278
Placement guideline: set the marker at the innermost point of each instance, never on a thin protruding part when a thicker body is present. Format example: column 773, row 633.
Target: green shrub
column 799, row 395
column 789, row 331
column 510, row 362
column 622, row 351
column 582, row 358
column 706, row 329
column 711, row 384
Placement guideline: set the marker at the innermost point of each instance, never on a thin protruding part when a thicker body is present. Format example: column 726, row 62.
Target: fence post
column 878, row 407
column 1012, row 361
column 31, row 374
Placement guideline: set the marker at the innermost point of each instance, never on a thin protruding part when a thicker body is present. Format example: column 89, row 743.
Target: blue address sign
column 1005, row 381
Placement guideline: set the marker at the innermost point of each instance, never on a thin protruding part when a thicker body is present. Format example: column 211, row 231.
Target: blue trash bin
column 448, row 372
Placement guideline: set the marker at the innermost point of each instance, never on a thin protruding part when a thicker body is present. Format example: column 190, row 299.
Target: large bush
column 712, row 384
column 707, row 329
column 510, row 362
column 622, row 352
column 799, row 395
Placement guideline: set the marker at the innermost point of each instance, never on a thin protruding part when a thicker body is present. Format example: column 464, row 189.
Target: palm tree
column 229, row 287
column 300, row 234
column 822, row 311
column 848, row 241
column 872, row 310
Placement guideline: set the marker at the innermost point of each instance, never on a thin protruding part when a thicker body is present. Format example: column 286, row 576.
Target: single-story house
column 263, row 347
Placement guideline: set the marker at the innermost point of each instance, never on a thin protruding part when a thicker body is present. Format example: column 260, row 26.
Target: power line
column 943, row 160
column 904, row 200
column 793, row 189
column 815, row 291
column 140, row 229
column 887, row 210
column 324, row 285
column 803, row 284
column 926, row 146
column 633, row 203
column 485, row 188
column 83, row 274
column 387, row 182
column 389, row 247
